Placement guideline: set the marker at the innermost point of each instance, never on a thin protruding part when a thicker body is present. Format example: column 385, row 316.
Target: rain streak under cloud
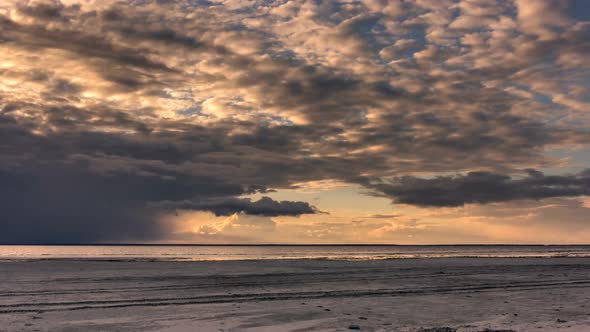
column 244, row 121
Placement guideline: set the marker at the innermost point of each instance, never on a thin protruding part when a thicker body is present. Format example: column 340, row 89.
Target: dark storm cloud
column 76, row 185
column 61, row 204
column 265, row 206
column 483, row 187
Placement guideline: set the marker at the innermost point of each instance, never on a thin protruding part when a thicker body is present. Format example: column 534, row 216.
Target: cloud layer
column 484, row 187
column 113, row 113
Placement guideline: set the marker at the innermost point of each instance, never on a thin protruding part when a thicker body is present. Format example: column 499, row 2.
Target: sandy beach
column 462, row 294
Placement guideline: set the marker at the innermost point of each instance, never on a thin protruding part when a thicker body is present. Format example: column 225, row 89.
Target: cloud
column 483, row 187
column 533, row 18
column 265, row 206
column 118, row 110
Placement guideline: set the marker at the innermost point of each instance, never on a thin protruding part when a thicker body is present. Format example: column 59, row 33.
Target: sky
column 250, row 121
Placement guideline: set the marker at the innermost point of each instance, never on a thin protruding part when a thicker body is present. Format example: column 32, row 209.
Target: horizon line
column 286, row 244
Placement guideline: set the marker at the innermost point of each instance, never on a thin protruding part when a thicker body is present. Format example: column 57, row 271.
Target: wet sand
column 463, row 294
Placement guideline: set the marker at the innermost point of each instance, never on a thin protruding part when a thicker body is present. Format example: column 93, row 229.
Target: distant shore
column 447, row 294
column 151, row 253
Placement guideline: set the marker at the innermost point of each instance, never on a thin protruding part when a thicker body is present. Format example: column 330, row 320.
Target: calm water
column 198, row 253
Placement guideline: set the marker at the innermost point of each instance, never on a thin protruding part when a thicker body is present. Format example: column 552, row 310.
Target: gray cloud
column 265, row 206
column 483, row 187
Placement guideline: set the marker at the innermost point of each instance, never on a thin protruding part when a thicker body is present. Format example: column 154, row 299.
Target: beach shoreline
column 466, row 294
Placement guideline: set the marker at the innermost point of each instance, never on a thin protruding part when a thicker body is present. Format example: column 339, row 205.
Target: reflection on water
column 196, row 253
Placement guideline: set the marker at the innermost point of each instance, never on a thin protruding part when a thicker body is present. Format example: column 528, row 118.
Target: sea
column 10, row 253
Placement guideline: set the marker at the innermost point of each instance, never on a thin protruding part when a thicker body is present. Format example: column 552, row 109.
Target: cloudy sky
column 305, row 121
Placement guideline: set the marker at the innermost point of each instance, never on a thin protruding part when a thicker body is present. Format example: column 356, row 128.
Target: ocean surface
column 255, row 252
